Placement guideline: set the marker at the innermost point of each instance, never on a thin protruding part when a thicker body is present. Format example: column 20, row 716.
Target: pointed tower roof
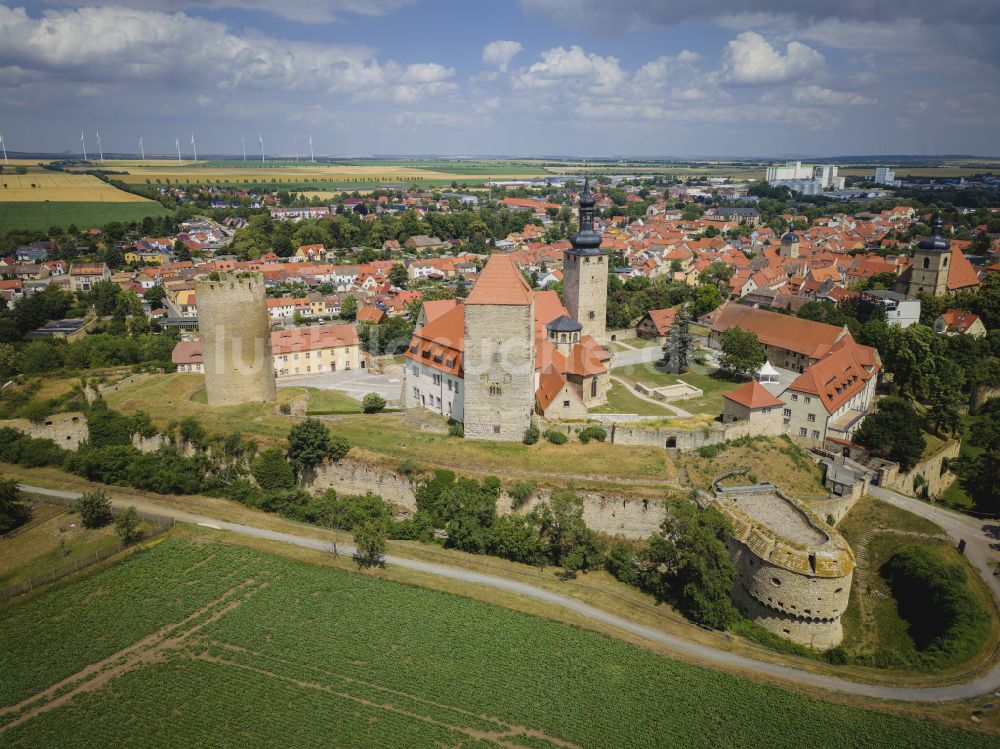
column 586, row 241
column 500, row 283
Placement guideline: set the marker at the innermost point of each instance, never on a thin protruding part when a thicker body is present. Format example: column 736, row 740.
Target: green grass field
column 86, row 215
column 710, row 403
column 216, row 645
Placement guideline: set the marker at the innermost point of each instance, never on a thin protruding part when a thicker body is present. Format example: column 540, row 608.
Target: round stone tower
column 235, row 334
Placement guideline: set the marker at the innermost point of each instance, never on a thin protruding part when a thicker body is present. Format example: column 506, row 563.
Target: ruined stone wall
column 67, row 430
column 935, row 480
column 499, row 371
column 687, row 439
column 235, row 334
column 612, row 513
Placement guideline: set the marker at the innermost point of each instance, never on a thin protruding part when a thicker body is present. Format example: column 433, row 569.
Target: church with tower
column 510, row 352
column 938, row 268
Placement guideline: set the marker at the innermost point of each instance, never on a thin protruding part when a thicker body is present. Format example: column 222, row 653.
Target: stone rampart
column 67, row 430
column 934, row 477
column 692, row 437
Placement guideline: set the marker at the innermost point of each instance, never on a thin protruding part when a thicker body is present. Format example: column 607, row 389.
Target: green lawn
column 91, row 215
column 640, row 343
column 955, row 495
column 621, row 401
column 231, row 646
column 713, row 387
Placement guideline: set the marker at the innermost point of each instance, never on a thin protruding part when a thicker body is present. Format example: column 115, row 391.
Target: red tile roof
column 753, row 395
column 838, row 376
column 958, row 320
column 962, row 275
column 500, row 283
column 804, row 337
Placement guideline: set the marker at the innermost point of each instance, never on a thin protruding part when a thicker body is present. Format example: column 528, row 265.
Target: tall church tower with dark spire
column 929, row 272
column 585, row 273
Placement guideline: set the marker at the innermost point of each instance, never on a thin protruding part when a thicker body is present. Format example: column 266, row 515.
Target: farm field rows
column 198, row 643
column 39, row 216
column 61, row 187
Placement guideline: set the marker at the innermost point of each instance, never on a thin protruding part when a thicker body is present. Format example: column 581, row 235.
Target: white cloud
column 559, row 66
column 306, row 11
column 813, row 95
column 749, row 59
column 499, row 54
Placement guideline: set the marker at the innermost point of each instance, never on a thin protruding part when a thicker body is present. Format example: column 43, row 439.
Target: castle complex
column 794, row 570
column 235, row 335
column 510, row 351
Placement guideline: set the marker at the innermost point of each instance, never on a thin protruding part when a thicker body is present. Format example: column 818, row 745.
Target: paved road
column 705, row 653
column 353, row 382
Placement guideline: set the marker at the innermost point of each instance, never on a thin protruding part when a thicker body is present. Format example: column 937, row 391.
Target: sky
column 655, row 78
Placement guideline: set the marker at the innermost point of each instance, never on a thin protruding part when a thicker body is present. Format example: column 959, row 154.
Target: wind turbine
column 295, row 148
column 4, row 150
column 312, row 156
column 194, row 147
column 177, row 142
column 84, row 144
column 244, row 142
column 141, row 149
column 99, row 149
column 261, row 139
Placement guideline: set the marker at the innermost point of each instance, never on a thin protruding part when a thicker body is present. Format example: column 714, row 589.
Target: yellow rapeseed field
column 61, row 187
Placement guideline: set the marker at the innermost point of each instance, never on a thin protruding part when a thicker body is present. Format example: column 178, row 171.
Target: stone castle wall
column 67, row 430
column 935, row 480
column 235, row 334
column 691, row 438
column 499, row 371
column 611, row 513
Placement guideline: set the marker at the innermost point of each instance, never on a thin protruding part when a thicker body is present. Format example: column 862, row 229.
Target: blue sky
column 534, row 77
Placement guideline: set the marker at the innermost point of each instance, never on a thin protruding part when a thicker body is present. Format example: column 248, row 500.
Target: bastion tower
column 235, row 334
column 585, row 273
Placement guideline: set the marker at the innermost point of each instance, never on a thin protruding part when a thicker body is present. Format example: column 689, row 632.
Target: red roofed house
column 656, row 324
column 372, row 315
column 751, row 402
column 959, row 322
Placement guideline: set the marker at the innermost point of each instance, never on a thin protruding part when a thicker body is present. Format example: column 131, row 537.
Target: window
column 449, row 386
column 590, row 315
column 775, row 581
column 496, row 429
column 416, row 393
column 437, row 379
column 802, row 431
column 795, row 396
column 565, row 404
column 815, row 434
column 496, row 358
column 927, row 262
column 811, row 417
column 808, row 399
column 788, row 413
column 496, row 390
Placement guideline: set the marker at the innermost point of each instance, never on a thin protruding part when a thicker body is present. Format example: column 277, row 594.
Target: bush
column 349, row 511
column 285, row 409
column 372, row 403
column 94, row 508
column 531, row 435
column 520, row 493
column 272, row 470
column 593, row 433
column 308, row 444
column 710, row 451
column 370, row 543
column 406, row 467
column 456, row 429
column 337, row 448
column 555, row 437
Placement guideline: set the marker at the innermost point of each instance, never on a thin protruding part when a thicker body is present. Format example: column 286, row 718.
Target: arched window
column 593, row 388
column 927, row 262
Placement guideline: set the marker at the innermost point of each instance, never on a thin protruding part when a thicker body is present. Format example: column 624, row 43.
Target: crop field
column 199, row 643
column 61, row 187
column 86, row 215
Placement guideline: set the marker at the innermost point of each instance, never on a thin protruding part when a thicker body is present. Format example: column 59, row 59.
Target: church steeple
column 586, row 241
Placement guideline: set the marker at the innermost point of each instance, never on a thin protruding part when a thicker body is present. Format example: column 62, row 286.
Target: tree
column 272, row 471
column 349, row 307
column 893, row 432
column 679, row 343
column 181, row 251
column 127, row 526
column 704, row 299
column 688, row 565
column 13, row 509
column 718, row 273
column 106, row 427
column 398, row 275
column 571, row 544
column 370, row 541
column 947, row 399
column 742, row 353
column 308, row 444
column 372, row 403
column 94, row 508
